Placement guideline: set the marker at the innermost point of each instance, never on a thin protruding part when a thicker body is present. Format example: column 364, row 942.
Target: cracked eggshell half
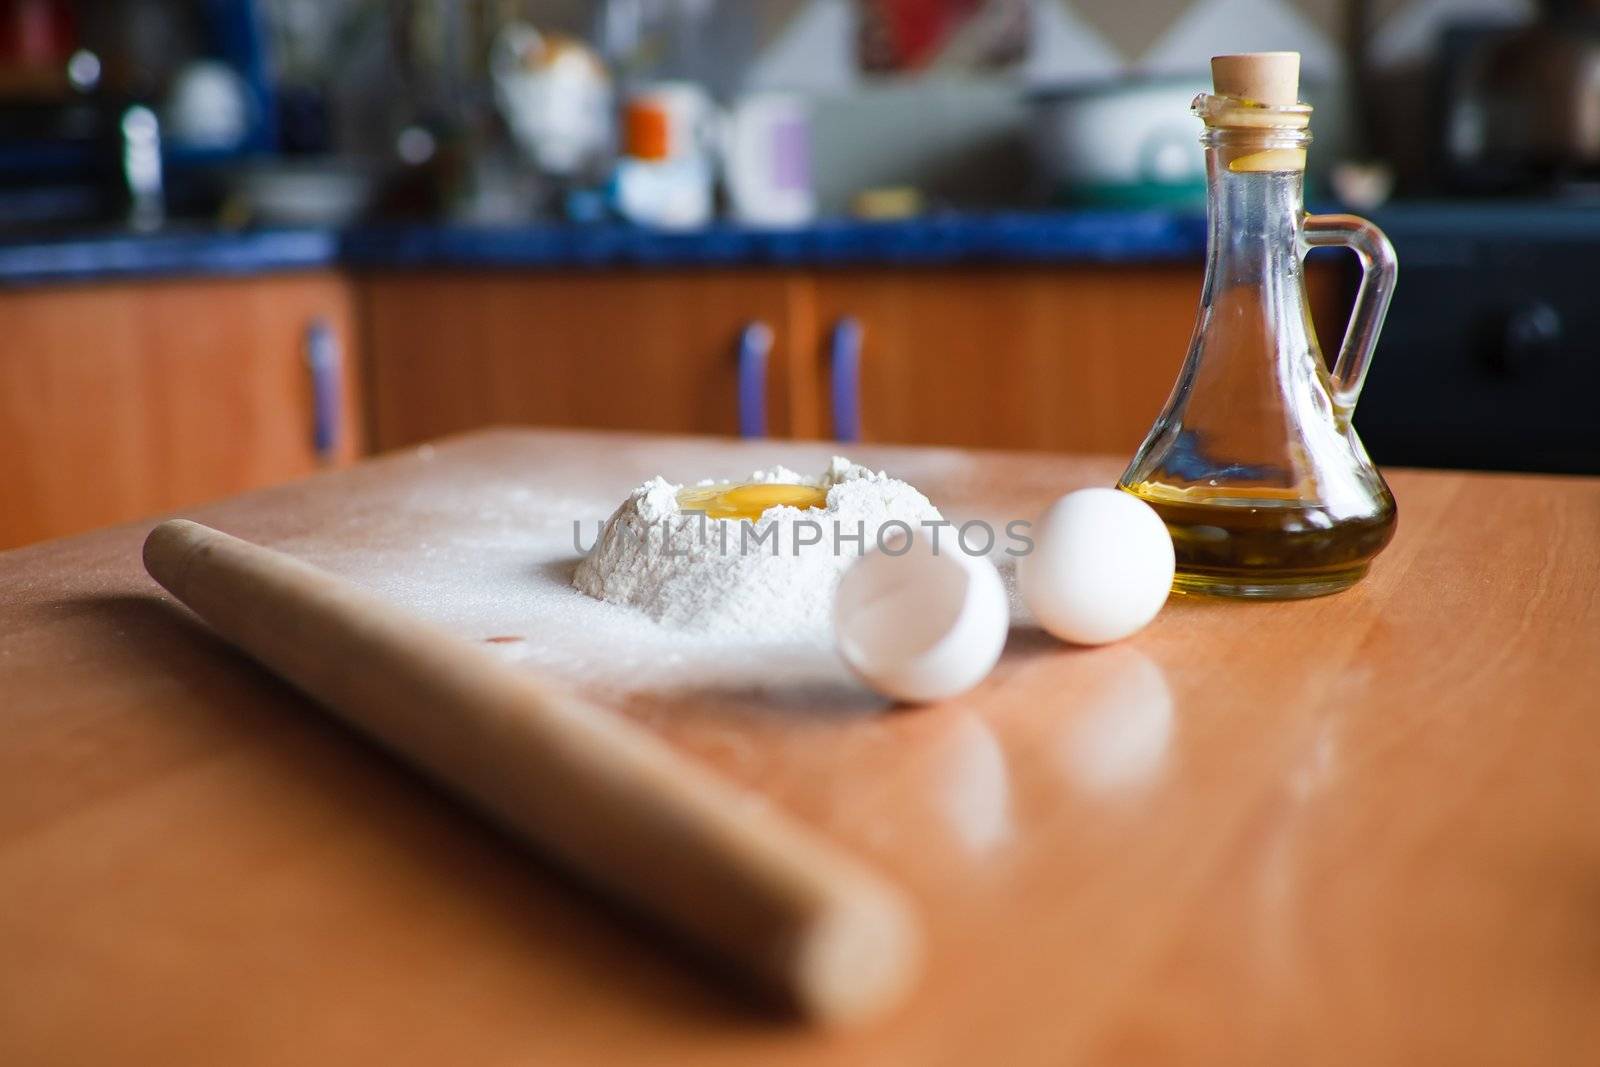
column 920, row 625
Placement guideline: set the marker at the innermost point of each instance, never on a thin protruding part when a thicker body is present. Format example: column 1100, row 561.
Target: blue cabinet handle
column 755, row 345
column 845, row 358
column 324, row 360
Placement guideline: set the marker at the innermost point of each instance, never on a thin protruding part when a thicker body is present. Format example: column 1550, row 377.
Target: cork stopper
column 1271, row 78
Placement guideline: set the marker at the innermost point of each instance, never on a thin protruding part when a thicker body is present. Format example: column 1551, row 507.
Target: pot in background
column 1128, row 142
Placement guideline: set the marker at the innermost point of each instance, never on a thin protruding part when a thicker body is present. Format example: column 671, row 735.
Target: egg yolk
column 749, row 501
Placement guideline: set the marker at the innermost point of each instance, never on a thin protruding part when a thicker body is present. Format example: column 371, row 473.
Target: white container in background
column 666, row 174
column 766, row 161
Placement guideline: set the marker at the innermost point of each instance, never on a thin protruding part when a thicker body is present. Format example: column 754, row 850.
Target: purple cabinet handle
column 324, row 360
column 845, row 357
column 755, row 345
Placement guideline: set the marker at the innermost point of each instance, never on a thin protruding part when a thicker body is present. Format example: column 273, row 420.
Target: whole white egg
column 1100, row 568
column 921, row 624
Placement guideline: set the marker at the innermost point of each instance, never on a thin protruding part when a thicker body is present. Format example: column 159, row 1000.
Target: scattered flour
column 773, row 577
column 492, row 559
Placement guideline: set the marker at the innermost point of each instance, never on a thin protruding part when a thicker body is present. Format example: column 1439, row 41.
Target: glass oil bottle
column 1254, row 465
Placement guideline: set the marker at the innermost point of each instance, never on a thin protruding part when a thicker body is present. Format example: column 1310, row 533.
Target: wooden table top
column 1362, row 829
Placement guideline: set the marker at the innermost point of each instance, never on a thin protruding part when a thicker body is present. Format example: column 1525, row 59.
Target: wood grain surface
column 1362, row 829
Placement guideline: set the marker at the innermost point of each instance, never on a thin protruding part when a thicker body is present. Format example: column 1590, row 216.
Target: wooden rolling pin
column 590, row 788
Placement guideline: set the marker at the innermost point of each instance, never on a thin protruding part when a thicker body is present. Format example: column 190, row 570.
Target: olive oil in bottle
column 1267, row 546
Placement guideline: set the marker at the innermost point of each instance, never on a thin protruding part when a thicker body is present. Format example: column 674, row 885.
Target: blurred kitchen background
column 244, row 239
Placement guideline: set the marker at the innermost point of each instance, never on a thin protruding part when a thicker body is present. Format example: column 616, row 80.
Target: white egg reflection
column 1118, row 733
column 976, row 793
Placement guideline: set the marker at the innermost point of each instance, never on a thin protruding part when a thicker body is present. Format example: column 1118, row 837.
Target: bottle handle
column 1378, row 270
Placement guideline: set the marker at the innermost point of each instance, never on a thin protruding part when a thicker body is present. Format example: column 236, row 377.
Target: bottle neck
column 1255, row 176
column 1253, row 222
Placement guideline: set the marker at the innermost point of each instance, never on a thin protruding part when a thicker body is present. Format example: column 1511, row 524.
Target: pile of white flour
column 771, row 578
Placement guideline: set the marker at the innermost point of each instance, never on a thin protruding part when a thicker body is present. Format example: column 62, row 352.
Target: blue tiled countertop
column 1079, row 236
column 94, row 258
column 1086, row 236
column 1104, row 236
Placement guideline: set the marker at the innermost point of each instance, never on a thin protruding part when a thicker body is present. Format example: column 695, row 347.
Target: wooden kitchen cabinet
column 607, row 350
column 1065, row 358
column 120, row 400
column 1049, row 357
column 1077, row 359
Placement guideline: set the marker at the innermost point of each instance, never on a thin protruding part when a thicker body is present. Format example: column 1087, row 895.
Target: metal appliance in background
column 1521, row 106
column 1492, row 359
